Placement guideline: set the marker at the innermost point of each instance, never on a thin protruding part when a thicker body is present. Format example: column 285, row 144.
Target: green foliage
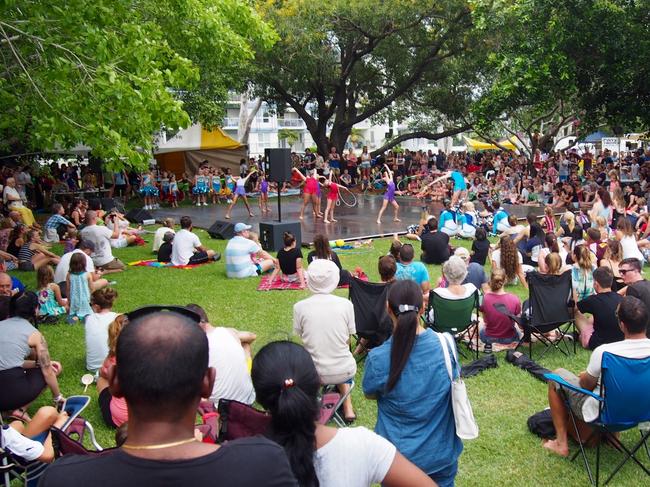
column 288, row 135
column 111, row 74
column 338, row 63
column 593, row 55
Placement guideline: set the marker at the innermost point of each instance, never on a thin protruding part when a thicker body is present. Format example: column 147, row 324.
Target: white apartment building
column 268, row 127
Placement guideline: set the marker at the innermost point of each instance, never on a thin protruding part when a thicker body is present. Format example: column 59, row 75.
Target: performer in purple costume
column 389, row 197
column 240, row 190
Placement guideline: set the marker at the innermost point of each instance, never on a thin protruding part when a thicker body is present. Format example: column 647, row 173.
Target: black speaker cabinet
column 109, row 203
column 272, row 233
column 138, row 215
column 222, row 229
column 278, row 165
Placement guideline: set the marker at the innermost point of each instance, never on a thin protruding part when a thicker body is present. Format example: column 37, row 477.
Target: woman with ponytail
column 408, row 377
column 287, row 385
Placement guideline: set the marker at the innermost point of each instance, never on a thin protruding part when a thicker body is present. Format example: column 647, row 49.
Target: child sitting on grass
column 79, row 285
column 50, row 302
column 96, row 327
column 290, row 259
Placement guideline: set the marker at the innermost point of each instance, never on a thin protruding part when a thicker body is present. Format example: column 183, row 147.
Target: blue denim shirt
column 416, row 416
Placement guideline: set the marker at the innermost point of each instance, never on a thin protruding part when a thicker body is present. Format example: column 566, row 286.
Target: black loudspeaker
column 222, row 229
column 138, row 215
column 278, row 165
column 272, row 234
column 109, row 203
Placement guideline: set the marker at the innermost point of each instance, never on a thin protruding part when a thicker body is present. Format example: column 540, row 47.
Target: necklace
column 159, row 446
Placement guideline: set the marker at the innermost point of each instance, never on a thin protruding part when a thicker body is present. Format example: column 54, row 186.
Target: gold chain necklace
column 159, row 446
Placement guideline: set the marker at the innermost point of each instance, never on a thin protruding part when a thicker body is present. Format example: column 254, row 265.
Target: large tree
column 110, row 74
column 338, row 63
column 559, row 61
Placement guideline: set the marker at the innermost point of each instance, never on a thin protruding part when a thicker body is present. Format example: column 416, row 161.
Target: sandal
column 20, row 414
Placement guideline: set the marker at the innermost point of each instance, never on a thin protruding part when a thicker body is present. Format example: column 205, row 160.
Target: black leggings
column 20, row 387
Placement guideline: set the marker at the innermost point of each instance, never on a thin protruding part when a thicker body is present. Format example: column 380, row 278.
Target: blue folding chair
column 624, row 403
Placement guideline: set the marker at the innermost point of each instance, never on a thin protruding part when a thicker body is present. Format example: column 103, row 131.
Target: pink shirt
column 498, row 325
column 119, row 412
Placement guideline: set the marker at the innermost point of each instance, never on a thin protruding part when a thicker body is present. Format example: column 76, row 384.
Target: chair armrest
column 564, row 383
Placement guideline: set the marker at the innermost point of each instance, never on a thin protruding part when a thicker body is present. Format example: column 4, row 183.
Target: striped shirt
column 239, row 253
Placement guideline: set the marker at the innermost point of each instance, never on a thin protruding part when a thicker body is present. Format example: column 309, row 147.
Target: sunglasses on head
column 147, row 310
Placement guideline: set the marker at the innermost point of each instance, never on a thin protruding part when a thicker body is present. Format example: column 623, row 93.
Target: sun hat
column 322, row 276
column 240, row 227
column 463, row 253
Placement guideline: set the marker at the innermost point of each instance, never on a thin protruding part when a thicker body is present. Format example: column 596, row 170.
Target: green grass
column 506, row 453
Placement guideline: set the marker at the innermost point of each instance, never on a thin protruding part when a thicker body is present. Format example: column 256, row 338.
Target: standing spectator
column 408, row 378
column 100, row 237
column 187, row 248
column 160, row 448
column 325, row 322
column 602, row 326
column 245, row 257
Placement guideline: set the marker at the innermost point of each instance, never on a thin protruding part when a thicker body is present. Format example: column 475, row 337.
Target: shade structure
column 480, row 145
column 189, row 148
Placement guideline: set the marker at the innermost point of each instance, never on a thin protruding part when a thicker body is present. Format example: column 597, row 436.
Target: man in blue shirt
column 416, row 271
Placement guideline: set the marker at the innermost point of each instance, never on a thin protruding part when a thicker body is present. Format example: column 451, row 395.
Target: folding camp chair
column 239, row 420
column 370, row 316
column 454, row 316
column 548, row 311
column 331, row 390
column 624, row 403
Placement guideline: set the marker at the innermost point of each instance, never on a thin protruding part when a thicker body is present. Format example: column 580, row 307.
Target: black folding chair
column 624, row 403
column 370, row 316
column 454, row 316
column 548, row 311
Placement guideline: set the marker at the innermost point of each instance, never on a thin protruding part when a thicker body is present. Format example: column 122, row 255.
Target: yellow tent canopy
column 480, row 145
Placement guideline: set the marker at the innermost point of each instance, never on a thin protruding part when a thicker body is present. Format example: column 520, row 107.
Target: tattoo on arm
column 44, row 354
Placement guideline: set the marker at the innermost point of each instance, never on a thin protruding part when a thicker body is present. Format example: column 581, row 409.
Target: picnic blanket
column 279, row 285
column 155, row 263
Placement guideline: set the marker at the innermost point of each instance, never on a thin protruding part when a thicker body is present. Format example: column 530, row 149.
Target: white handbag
column 466, row 427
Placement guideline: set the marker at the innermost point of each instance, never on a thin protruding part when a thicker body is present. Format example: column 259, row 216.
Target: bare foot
column 554, row 447
column 326, row 221
column 227, row 217
column 301, row 217
column 396, row 220
column 251, row 215
column 379, row 221
column 333, row 220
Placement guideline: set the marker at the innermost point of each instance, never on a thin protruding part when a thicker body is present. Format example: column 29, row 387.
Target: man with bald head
column 6, row 292
column 162, row 371
column 101, row 237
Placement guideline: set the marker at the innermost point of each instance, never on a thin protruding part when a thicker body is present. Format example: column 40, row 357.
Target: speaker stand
column 279, row 204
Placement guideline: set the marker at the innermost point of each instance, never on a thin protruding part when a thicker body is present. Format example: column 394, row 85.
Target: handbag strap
column 448, row 354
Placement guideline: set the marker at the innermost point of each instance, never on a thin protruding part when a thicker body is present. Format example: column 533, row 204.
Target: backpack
column 541, row 424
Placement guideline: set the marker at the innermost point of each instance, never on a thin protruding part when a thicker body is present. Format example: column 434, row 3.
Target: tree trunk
column 246, row 118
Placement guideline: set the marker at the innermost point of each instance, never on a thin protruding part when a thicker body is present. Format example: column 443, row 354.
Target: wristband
column 57, row 399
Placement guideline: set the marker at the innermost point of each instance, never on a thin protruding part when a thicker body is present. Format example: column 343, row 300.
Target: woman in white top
column 96, row 327
column 13, row 201
column 625, row 235
column 287, row 386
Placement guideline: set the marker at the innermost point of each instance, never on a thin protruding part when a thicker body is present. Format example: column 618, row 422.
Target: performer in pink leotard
column 309, row 193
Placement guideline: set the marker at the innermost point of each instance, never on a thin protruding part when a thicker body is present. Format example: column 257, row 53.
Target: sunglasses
column 147, row 310
column 625, row 271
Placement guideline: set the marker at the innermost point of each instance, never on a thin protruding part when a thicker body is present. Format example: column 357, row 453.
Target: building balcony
column 231, row 122
column 291, row 123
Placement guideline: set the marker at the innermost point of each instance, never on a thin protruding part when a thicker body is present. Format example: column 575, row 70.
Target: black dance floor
column 354, row 223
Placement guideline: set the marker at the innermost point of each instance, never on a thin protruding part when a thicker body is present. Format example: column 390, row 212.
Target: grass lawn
column 506, row 453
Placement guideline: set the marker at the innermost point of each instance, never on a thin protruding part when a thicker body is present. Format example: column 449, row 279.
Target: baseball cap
column 240, row 227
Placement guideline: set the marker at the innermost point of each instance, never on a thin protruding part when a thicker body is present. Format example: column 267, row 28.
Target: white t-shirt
column 228, row 358
column 355, row 457
column 63, row 267
column 101, row 237
column 97, row 338
column 158, row 237
column 624, row 348
column 183, row 247
column 325, row 323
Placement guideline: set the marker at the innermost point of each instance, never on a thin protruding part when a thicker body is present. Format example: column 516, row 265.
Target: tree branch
column 420, row 134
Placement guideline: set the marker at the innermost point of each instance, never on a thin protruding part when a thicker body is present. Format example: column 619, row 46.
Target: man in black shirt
column 435, row 244
column 602, row 326
column 636, row 285
column 162, row 372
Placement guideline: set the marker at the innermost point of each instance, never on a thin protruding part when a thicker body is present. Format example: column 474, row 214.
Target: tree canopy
column 110, row 74
column 338, row 63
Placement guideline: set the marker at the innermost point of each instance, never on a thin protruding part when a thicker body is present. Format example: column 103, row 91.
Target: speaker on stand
column 277, row 166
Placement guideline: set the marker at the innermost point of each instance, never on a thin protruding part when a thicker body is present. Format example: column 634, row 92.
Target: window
column 263, row 141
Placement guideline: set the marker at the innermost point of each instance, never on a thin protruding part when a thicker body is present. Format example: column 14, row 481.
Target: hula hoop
column 403, row 180
column 341, row 199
